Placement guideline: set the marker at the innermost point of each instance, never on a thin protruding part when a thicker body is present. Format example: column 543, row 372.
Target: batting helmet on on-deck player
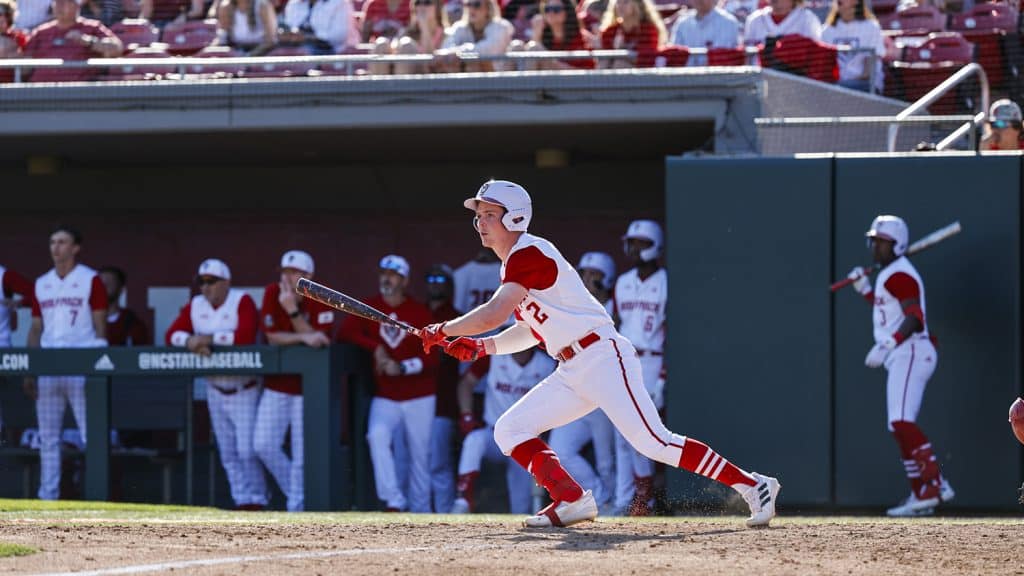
column 602, row 263
column 645, row 230
column 510, row 196
column 890, row 228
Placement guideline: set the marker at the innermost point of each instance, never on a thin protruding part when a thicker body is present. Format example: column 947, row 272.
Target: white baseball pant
column 442, row 464
column 629, row 463
column 54, row 393
column 479, row 445
column 605, row 375
column 277, row 412
column 567, row 441
column 233, row 418
column 415, row 418
column 909, row 367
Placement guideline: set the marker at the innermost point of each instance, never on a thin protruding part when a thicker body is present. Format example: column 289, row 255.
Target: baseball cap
column 1004, row 109
column 298, row 260
column 395, row 263
column 439, row 273
column 216, row 268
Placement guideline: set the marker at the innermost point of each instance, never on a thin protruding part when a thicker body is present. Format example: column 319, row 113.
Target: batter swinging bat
column 348, row 304
column 926, row 242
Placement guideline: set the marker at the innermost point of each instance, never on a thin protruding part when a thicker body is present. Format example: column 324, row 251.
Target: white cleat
column 565, row 513
column 946, row 492
column 761, row 499
column 460, row 506
column 912, row 506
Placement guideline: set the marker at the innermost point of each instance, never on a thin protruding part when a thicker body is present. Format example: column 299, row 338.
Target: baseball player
column 476, row 280
column 11, row 284
column 124, row 327
column 640, row 297
column 597, row 270
column 509, row 378
column 597, row 367
column 406, row 383
column 69, row 310
column 904, row 347
column 224, row 316
column 288, row 320
column 446, row 410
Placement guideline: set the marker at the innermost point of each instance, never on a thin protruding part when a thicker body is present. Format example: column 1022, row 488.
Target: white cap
column 601, row 262
column 216, row 268
column 395, row 263
column 645, row 230
column 298, row 260
column 891, row 228
column 510, row 196
column 1004, row 109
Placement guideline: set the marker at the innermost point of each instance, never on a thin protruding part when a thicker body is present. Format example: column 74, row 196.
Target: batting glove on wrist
column 468, row 423
column 879, row 352
column 861, row 283
column 466, row 349
column 433, row 335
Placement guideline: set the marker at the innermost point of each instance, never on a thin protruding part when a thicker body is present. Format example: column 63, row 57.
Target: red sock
column 464, row 488
column 700, row 459
column 918, row 459
column 540, row 460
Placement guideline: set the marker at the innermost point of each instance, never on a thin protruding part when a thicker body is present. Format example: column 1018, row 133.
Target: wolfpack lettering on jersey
column 641, row 308
column 558, row 307
column 507, row 381
column 897, row 281
column 65, row 306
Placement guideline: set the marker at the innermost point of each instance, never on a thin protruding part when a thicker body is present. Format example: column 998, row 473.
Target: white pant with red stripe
column 629, row 463
column 605, row 375
column 910, row 366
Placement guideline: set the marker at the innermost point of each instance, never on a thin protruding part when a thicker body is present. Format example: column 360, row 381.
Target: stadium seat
column 918, row 20
column 281, row 70
column 672, row 56
column 189, row 37
column 926, row 65
column 884, row 7
column 215, row 70
column 987, row 16
column 992, row 28
column 727, row 57
column 158, row 50
column 135, row 33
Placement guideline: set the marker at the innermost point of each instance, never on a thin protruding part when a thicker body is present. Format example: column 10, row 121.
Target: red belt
column 230, row 391
column 648, row 353
column 568, row 353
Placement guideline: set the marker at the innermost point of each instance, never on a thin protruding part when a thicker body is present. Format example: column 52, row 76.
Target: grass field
column 105, row 538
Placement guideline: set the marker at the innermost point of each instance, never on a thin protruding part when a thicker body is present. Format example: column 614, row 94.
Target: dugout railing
column 336, row 382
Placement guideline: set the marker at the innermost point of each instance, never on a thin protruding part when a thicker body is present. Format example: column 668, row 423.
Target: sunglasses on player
column 1001, row 124
column 473, row 4
column 436, row 279
column 208, row 281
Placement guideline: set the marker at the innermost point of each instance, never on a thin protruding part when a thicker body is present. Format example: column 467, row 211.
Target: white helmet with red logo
column 890, row 228
column 644, row 230
column 510, row 196
column 602, row 263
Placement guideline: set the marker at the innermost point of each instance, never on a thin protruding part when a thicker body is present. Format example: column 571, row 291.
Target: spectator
column 423, row 35
column 509, row 377
column 124, row 327
column 1002, row 127
column 590, row 14
column 557, row 27
column 632, row 25
column 851, row 23
column 28, row 14
column 442, row 435
column 481, row 31
column 741, row 9
column 12, row 40
column 706, row 26
column 385, row 19
column 163, row 12
column 322, row 26
column 106, row 11
column 68, row 292
column 406, row 382
column 288, row 320
column 779, row 18
column 224, row 316
column 247, row 25
column 70, row 37
column 520, row 14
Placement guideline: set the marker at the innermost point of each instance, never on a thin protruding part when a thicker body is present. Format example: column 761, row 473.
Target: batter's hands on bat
column 879, row 352
column 466, row 349
column 433, row 335
column 861, row 283
column 467, row 423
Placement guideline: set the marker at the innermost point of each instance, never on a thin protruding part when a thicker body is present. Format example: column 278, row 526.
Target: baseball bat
column 926, row 242
column 348, row 304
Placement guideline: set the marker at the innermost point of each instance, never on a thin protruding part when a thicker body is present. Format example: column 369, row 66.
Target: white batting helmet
column 644, row 230
column 510, row 196
column 602, row 263
column 891, row 228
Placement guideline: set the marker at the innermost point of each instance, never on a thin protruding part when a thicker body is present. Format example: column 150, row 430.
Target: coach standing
column 69, row 310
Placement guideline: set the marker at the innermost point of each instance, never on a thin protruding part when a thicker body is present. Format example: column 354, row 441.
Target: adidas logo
column 104, row 363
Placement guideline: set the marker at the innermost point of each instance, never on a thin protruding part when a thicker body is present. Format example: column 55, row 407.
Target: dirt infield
column 496, row 545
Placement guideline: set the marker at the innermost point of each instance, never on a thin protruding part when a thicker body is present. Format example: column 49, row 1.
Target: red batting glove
column 433, row 335
column 468, row 423
column 466, row 349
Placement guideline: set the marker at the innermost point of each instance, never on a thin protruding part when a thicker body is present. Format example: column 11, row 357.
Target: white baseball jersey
column 800, row 20
column 221, row 323
column 507, row 382
column 475, row 283
column 900, row 277
column 557, row 307
column 641, row 308
column 65, row 306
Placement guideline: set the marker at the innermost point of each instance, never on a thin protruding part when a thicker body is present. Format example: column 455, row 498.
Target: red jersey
column 127, row 330
column 447, row 405
column 384, row 22
column 401, row 347
column 643, row 40
column 48, row 41
column 275, row 319
column 574, row 43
